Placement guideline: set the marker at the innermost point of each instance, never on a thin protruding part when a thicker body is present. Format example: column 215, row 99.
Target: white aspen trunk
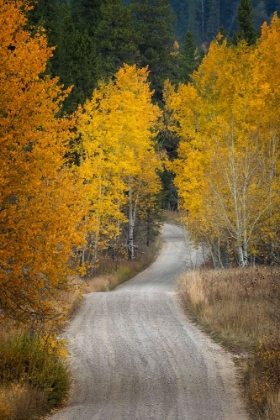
column 245, row 252
column 272, row 174
column 244, row 209
column 240, row 254
column 236, row 200
column 131, row 223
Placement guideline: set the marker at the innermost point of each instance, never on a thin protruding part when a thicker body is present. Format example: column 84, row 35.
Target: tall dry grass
column 241, row 309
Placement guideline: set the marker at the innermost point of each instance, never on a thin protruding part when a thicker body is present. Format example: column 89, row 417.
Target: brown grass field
column 240, row 308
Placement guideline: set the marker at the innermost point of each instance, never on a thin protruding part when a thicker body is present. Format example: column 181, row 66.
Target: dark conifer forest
column 204, row 17
column 93, row 38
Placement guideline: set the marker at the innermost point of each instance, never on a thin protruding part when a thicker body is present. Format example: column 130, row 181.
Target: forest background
column 94, row 38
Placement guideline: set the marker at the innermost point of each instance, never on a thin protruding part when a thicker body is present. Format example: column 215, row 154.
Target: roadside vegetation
column 34, row 375
column 240, row 309
column 73, row 190
column 111, row 273
column 227, row 175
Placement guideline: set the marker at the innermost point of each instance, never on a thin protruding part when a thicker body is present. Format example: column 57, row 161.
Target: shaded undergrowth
column 111, row 273
column 33, row 375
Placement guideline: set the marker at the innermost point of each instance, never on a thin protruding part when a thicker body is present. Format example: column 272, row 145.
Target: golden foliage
column 228, row 121
column 116, row 129
column 39, row 195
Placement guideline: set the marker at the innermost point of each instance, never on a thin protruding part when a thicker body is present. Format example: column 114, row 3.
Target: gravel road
column 135, row 355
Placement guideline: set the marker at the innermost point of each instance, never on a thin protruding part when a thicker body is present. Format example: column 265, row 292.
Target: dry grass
column 99, row 284
column 272, row 410
column 240, row 309
column 20, row 402
column 173, row 217
column 112, row 273
column 237, row 306
column 33, row 378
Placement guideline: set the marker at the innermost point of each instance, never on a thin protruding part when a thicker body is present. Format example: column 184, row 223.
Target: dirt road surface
column 135, row 355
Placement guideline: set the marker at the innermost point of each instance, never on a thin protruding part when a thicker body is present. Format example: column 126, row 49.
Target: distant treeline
column 93, row 39
column 204, row 17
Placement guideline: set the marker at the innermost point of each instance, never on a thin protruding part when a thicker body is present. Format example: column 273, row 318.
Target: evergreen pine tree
column 74, row 58
column 114, row 38
column 153, row 24
column 86, row 14
column 245, row 22
column 213, row 21
column 223, row 32
column 189, row 57
column 45, row 14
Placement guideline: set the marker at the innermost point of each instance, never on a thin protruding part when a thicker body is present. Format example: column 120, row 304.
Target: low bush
column 33, row 377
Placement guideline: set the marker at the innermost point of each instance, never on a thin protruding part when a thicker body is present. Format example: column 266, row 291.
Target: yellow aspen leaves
column 50, row 208
column 226, row 171
column 118, row 164
column 39, row 195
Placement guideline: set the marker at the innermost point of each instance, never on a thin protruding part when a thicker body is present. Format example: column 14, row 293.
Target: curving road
column 135, row 355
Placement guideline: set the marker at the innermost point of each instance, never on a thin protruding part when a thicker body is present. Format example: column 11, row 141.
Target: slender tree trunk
column 240, row 255
column 83, row 257
column 215, row 250
column 148, row 229
column 95, row 254
column 131, row 224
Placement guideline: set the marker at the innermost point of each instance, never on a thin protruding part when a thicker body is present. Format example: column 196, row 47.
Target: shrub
column 32, row 366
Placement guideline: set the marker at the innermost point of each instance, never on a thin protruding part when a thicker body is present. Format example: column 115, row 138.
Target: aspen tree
column 141, row 120
column 116, row 128
column 268, row 73
column 224, row 167
column 39, row 211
